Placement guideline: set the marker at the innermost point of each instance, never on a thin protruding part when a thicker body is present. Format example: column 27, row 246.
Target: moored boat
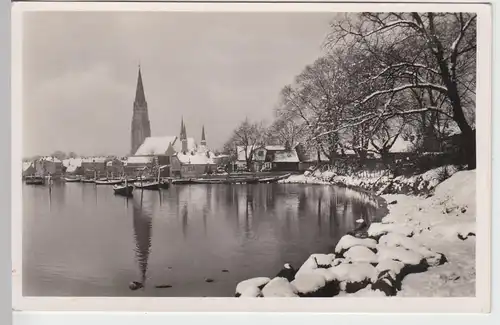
column 88, row 180
column 124, row 190
column 109, row 182
column 182, row 181
column 73, row 179
column 164, row 184
column 34, row 180
column 147, row 185
column 273, row 179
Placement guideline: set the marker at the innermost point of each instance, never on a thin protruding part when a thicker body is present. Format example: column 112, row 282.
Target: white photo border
column 478, row 304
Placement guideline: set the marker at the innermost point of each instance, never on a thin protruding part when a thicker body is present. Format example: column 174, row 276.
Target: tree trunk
column 469, row 146
column 468, row 143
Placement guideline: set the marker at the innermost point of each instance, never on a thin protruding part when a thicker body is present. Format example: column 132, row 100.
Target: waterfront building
column 49, row 166
column 268, row 158
column 73, row 166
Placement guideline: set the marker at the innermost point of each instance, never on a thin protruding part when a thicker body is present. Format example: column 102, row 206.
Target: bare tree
column 434, row 52
column 249, row 136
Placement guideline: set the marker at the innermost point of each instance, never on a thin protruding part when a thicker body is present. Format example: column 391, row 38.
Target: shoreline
column 427, row 251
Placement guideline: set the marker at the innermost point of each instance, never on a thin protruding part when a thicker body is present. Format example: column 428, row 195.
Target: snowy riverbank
column 425, row 246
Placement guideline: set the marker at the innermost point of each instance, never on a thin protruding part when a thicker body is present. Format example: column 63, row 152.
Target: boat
column 182, row 181
column 164, row 184
column 147, row 185
column 87, row 180
column 35, row 180
column 109, row 182
column 74, row 179
column 124, row 190
column 273, row 179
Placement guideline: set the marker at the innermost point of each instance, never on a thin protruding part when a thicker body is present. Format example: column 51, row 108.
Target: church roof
column 155, row 145
column 191, row 145
column 197, row 158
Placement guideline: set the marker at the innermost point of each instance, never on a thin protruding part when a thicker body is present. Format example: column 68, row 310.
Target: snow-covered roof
column 52, row 159
column 72, row 161
column 400, row 146
column 155, row 145
column 72, row 168
column 274, row 147
column 241, row 151
column 138, row 160
column 311, row 154
column 286, row 156
column 26, row 165
column 94, row 160
column 198, row 158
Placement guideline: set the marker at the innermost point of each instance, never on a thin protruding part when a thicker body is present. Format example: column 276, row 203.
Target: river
column 82, row 240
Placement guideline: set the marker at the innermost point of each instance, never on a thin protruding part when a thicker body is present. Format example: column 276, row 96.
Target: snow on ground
column 398, row 254
column 445, row 215
column 379, row 229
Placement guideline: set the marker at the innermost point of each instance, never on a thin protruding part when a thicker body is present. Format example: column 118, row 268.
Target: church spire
column 183, row 129
column 203, row 140
column 140, row 98
column 141, row 128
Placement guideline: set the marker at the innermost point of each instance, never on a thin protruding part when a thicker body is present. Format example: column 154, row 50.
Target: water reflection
column 142, row 221
column 199, row 230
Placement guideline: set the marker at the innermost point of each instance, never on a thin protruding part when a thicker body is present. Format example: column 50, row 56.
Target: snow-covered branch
column 404, row 87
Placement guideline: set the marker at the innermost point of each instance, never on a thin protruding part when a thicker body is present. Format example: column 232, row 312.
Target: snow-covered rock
column 349, row 241
column 398, row 240
column 309, row 283
column 393, row 267
column 246, row 285
column 279, row 287
column 401, row 254
column 316, row 261
column 379, row 229
column 360, row 254
column 326, row 273
column 251, row 292
column 353, row 277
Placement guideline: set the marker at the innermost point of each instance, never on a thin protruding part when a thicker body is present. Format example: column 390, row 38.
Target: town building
column 49, row 166
column 28, row 168
column 267, row 158
column 94, row 166
column 73, row 166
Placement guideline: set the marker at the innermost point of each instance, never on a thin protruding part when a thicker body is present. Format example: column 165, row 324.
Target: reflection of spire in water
column 248, row 211
column 142, row 221
column 184, row 215
column 319, row 212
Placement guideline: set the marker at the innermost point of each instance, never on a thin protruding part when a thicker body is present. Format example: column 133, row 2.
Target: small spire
column 183, row 129
column 203, row 140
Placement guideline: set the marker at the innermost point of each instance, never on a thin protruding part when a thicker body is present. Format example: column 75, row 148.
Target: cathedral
column 142, row 143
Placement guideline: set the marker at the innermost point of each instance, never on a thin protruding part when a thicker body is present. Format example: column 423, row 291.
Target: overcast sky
column 80, row 73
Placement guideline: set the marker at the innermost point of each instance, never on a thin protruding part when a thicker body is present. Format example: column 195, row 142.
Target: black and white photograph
column 263, row 154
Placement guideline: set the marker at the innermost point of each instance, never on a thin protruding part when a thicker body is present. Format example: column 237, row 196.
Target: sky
column 213, row 69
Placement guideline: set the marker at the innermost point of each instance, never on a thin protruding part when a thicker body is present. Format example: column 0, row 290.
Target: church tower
column 141, row 128
column 203, row 140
